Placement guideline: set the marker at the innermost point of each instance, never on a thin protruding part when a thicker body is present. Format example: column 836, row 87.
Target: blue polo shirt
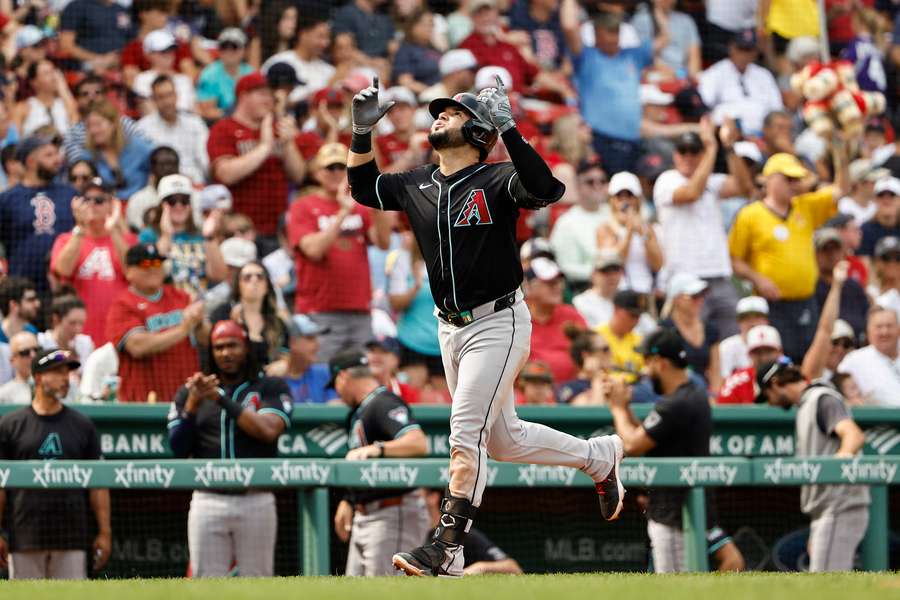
column 609, row 90
column 310, row 388
column 99, row 26
column 216, row 84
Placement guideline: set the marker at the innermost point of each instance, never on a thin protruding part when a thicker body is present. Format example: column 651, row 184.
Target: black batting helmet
column 477, row 131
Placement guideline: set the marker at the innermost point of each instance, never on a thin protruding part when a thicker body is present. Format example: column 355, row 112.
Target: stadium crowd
column 170, row 164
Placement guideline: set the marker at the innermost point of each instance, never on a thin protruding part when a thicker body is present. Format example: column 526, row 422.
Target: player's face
column 54, row 383
column 446, row 131
column 229, row 354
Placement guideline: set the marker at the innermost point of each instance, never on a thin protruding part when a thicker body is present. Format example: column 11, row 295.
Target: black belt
column 467, row 317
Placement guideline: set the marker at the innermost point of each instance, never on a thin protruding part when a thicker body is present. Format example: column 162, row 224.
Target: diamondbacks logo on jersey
column 474, row 211
column 51, row 447
column 399, row 414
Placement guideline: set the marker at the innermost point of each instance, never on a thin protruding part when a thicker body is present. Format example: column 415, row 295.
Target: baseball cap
column 888, row 184
column 281, row 74
column 651, row 94
column 652, row 165
column 625, row 181
column 479, row 4
column 141, row 252
column 606, row 258
column 227, row 329
column 388, row 344
column 301, row 325
column 752, row 305
column 685, row 283
column 249, row 82
column 345, row 360
column 536, row 248
column 785, row 164
column 688, row 142
column 887, row 245
column 233, row 35
column 334, row 153
column 172, row 185
column 329, row 95
column 748, row 150
column 839, row 221
column 745, row 39
column 159, row 40
column 802, row 48
column 536, row 370
column 31, row 144
column 237, row 252
column 459, row 59
column 862, row 169
column 28, row 36
column 842, row 329
column 666, row 343
column 763, row 336
column 47, row 360
column 587, row 164
column 767, row 372
column 542, row 268
column 400, row 95
column 630, row 301
column 97, row 183
column 825, row 236
column 487, row 77
column 215, row 196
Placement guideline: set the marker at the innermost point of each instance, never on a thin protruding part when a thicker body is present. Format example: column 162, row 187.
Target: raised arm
column 568, row 20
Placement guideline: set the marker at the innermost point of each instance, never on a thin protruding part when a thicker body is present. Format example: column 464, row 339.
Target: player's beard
column 446, row 138
column 657, row 385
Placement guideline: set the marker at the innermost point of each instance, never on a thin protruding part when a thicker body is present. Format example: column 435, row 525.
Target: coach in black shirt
column 679, row 426
column 49, row 528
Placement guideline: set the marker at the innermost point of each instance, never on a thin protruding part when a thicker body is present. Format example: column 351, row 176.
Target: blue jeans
column 616, row 154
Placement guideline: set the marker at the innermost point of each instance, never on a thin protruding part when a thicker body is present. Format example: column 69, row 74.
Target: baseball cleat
column 611, row 491
column 431, row 560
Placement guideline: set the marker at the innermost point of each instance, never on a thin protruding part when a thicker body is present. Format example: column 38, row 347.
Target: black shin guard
column 457, row 515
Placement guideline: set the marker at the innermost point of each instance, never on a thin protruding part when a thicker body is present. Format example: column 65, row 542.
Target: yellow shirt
column 793, row 18
column 782, row 249
column 623, row 351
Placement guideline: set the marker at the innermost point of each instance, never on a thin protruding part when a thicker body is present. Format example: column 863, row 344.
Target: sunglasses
column 150, row 263
column 595, row 181
column 58, row 356
column 27, row 352
column 885, row 195
column 76, row 177
column 843, row 343
column 336, row 167
column 889, row 258
column 689, row 150
column 608, row 270
column 91, row 93
column 98, row 200
column 252, row 276
column 179, row 199
column 228, row 46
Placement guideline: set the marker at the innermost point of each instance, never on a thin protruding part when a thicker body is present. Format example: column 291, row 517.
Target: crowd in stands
column 168, row 164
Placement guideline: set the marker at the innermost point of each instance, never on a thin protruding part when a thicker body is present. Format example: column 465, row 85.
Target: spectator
column 152, row 15
column 763, row 346
column 23, row 347
column 596, row 304
column 771, row 245
column 51, row 103
column 150, row 325
column 851, row 237
column 488, row 48
column 308, row 56
column 215, row 87
column 830, row 251
column 304, row 374
column 164, row 160
column 739, row 88
column 751, row 311
column 404, row 148
column 160, row 48
column 778, row 133
column 676, row 42
column 236, row 252
column 185, row 131
column 255, row 156
column 35, row 211
column 863, row 50
column 550, row 318
column 97, row 375
column 277, row 30
column 80, row 173
column 859, row 202
column 371, row 30
column 887, row 273
column 619, row 332
column 253, row 306
column 540, row 20
column 457, row 68
column 416, row 61
column 93, row 32
column 876, row 368
column 689, row 194
column 608, row 81
column 67, row 317
column 329, row 233
column 534, row 385
column 91, row 256
column 591, row 354
column 784, row 20
column 31, row 48
column 384, row 362
column 627, row 233
column 20, row 304
column 886, row 220
column 724, row 19
column 574, row 235
column 122, row 160
column 843, row 342
column 685, row 295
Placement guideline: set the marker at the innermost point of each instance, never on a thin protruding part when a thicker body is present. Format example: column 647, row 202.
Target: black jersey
column 49, row 519
column 211, row 433
column 465, row 225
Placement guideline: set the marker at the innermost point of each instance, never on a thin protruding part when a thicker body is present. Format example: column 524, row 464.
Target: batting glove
column 366, row 110
column 498, row 103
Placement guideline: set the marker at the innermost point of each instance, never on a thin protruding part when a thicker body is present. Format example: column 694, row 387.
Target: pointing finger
column 500, row 86
column 375, row 83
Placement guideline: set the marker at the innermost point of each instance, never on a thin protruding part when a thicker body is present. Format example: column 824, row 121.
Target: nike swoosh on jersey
column 422, row 186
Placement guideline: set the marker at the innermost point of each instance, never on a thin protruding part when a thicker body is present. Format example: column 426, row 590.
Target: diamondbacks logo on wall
column 474, row 211
column 51, row 447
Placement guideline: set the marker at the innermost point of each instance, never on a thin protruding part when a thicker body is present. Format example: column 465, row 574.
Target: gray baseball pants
column 834, row 537
column 382, row 532
column 48, row 564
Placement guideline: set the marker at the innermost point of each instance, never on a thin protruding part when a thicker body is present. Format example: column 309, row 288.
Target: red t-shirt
column 391, row 148
column 310, row 141
column 133, row 54
column 262, row 195
column 503, row 55
column 340, row 281
column 739, row 387
column 162, row 373
column 98, row 278
column 407, row 393
column 550, row 344
column 857, row 270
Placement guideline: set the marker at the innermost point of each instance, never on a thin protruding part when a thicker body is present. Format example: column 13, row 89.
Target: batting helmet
column 477, row 131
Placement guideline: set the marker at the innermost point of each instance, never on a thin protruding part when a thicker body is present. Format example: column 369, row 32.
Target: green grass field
column 758, row 586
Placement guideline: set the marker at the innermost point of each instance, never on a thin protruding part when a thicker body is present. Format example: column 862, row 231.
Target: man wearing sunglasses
column 91, row 256
column 22, row 349
column 215, row 88
column 49, row 528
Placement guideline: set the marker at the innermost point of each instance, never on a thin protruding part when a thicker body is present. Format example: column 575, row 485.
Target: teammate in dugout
column 232, row 412
column 463, row 214
column 377, row 523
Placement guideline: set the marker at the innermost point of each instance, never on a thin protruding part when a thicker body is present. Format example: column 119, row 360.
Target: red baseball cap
column 331, row 96
column 250, row 82
column 227, row 329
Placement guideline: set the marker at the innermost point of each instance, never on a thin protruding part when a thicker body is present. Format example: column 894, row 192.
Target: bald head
column 22, row 347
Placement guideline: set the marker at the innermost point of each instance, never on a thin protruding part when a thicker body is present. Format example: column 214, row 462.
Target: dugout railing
column 314, row 480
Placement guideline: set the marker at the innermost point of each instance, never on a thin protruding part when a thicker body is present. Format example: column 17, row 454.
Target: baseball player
column 463, row 213
column 377, row 522
column 233, row 412
column 839, row 513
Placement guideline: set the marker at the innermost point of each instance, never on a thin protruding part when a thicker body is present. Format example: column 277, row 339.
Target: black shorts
column 434, row 364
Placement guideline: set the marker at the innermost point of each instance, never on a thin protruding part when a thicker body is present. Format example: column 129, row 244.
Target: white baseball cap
column 763, row 336
column 401, row 95
column 842, row 329
column 651, row 94
column 487, row 77
column 888, row 184
column 233, row 35
column 28, row 36
column 543, row 269
column 752, row 305
column 623, row 180
column 159, row 40
column 685, row 283
column 170, row 185
column 237, row 252
column 216, row 196
column 457, row 60
column 746, row 149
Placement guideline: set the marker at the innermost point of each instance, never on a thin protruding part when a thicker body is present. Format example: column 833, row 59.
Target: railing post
column 693, row 517
column 314, row 531
column 874, row 547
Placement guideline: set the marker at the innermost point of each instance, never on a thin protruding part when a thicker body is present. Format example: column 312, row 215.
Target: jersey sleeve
column 277, row 400
column 122, row 321
column 384, row 191
column 391, row 417
column 830, row 411
column 661, row 423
